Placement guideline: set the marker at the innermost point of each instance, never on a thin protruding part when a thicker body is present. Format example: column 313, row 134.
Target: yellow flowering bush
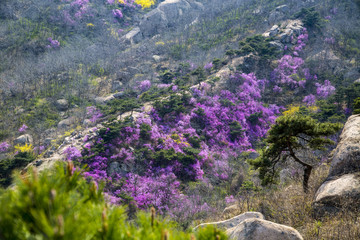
column 145, row 3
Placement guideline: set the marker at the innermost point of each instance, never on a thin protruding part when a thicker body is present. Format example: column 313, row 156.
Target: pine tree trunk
column 307, row 172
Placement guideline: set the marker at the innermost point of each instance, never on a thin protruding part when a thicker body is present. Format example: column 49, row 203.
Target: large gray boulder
column 169, row 14
column 23, row 139
column 346, row 156
column 338, row 193
column 259, row 229
column 341, row 190
column 66, row 123
column 233, row 222
column 153, row 23
column 133, row 37
column 174, row 10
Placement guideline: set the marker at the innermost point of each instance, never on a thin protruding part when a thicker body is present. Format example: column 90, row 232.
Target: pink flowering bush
column 4, row 146
column 145, row 85
column 325, row 90
column 23, row 128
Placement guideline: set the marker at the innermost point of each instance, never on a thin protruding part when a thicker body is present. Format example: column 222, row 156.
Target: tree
column 289, row 135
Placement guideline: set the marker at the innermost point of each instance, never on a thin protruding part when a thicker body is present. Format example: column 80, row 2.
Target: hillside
column 181, row 105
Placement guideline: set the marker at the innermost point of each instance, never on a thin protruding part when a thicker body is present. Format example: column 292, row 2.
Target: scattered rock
column 66, row 123
column 258, row 228
column 233, row 222
column 62, row 105
column 156, row 58
column 342, row 192
column 274, row 31
column 277, row 44
column 104, row 100
column 23, row 139
column 133, row 37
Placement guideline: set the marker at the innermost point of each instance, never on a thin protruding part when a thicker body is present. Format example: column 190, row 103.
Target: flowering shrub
column 324, row 90
column 145, row 85
column 93, row 113
column 72, row 153
column 23, row 128
column 4, row 146
column 309, row 100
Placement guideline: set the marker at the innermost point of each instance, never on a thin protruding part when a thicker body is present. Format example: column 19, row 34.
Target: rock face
column 338, row 193
column 169, row 14
column 346, row 156
column 66, row 123
column 342, row 187
column 256, row 229
column 23, row 139
column 233, row 222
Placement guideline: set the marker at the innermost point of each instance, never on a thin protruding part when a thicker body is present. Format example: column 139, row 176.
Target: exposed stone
column 174, row 10
column 104, row 100
column 277, row 44
column 169, row 14
column 283, row 8
column 274, row 31
column 156, row 58
column 233, row 222
column 342, row 192
column 45, row 163
column 62, row 105
column 153, row 23
column 258, row 228
column 23, row 139
column 346, row 156
column 133, row 37
column 66, row 123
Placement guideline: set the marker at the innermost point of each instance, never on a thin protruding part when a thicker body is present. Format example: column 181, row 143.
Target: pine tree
column 290, row 134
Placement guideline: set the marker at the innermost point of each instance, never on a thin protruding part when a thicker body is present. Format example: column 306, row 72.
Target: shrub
column 61, row 204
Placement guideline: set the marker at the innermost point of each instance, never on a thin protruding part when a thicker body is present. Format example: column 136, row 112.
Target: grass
column 290, row 206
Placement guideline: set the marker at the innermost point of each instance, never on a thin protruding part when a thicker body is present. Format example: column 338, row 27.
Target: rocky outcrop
column 132, row 37
column 346, row 156
column 258, row 229
column 343, row 192
column 233, row 222
column 253, row 226
column 66, row 123
column 342, row 187
column 169, row 14
column 23, row 139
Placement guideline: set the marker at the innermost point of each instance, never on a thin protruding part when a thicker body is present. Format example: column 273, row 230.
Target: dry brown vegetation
column 289, row 205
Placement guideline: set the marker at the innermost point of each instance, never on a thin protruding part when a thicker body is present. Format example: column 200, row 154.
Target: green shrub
column 310, row 17
column 61, row 204
column 7, row 166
